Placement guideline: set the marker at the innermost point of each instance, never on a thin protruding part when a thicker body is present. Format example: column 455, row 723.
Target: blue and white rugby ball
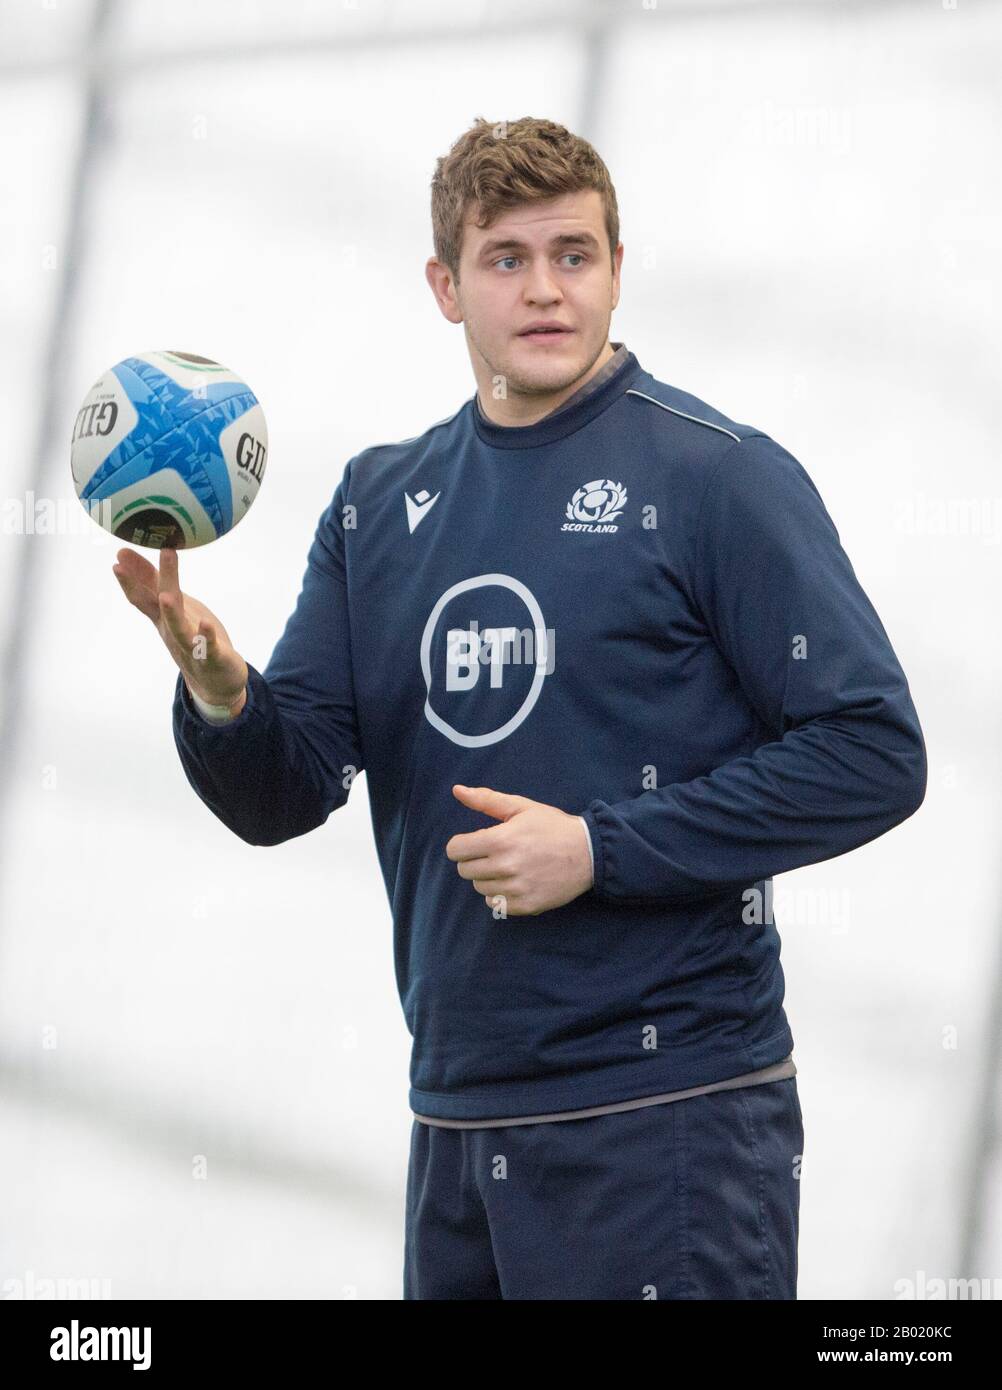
column 169, row 449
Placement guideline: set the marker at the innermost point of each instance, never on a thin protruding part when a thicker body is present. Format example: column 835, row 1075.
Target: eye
column 506, row 258
column 577, row 255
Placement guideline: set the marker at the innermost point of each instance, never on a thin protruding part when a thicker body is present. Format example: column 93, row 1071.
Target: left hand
column 536, row 859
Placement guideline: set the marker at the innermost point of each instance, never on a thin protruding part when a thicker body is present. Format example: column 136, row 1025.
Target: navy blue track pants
column 696, row 1199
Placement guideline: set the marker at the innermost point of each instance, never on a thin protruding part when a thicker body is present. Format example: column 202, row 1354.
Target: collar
column 581, row 406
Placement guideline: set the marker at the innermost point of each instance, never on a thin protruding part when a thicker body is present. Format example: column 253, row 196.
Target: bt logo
column 496, row 646
column 469, row 652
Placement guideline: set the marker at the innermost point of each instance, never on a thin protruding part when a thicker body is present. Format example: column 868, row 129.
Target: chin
column 552, row 375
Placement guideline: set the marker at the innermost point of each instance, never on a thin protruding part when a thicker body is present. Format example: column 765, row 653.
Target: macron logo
column 418, row 507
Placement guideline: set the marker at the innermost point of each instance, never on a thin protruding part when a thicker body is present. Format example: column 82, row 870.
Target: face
column 542, row 261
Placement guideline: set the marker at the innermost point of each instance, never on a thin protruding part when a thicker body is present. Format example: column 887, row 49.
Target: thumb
column 500, row 805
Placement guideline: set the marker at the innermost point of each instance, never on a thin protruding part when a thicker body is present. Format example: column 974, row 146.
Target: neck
column 522, row 408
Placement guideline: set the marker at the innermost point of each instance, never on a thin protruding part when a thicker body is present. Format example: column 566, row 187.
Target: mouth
column 555, row 334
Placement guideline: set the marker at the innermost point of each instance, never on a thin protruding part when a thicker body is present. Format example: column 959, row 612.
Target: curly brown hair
column 496, row 165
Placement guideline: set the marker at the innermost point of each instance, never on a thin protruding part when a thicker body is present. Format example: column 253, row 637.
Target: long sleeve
column 846, row 760
column 290, row 756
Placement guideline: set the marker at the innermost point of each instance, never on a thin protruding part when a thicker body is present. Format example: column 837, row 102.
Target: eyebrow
column 496, row 244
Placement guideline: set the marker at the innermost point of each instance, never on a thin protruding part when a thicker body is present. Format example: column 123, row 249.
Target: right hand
column 211, row 668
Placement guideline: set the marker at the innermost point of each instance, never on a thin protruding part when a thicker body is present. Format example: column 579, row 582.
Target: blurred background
column 203, row 1061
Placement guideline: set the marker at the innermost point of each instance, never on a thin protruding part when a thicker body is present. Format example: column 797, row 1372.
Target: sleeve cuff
column 195, row 708
column 594, row 849
column 215, row 714
column 591, row 852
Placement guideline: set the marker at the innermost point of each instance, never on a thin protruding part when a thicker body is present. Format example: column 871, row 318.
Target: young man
column 608, row 669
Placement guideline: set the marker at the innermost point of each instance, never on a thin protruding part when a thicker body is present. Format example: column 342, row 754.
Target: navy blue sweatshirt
column 637, row 610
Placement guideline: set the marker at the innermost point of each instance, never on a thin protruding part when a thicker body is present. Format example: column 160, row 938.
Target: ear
column 617, row 262
column 443, row 287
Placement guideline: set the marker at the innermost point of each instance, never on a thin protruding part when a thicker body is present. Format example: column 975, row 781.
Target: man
column 608, row 669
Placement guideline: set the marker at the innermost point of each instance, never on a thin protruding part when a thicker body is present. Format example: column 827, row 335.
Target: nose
column 541, row 287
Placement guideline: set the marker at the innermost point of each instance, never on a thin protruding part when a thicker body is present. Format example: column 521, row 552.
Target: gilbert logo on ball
column 168, row 449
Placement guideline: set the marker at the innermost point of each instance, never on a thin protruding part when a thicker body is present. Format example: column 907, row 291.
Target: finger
column 171, row 600
column 137, row 566
column 138, row 569
column 501, row 805
column 167, row 575
column 176, row 621
column 207, row 648
column 505, row 905
column 479, row 868
column 474, row 844
column 138, row 593
column 492, row 887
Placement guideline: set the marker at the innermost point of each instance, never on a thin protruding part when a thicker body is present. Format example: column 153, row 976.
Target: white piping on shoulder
column 709, row 423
